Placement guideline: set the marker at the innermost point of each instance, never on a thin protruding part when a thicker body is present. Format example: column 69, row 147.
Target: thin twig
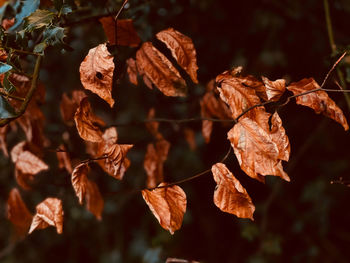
column 94, row 159
column 121, row 9
column 192, row 177
column 11, row 96
column 333, row 67
column 24, row 52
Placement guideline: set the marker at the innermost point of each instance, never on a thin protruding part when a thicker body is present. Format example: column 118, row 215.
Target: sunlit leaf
column 274, row 89
column 39, row 19
column 168, row 205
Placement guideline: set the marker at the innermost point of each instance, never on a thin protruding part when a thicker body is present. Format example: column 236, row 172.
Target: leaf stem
column 24, row 52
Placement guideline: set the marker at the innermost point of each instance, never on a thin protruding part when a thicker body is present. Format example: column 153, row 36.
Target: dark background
column 306, row 220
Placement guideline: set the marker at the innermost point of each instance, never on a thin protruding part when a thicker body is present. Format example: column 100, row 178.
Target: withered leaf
column 63, row 159
column 85, row 122
column 256, row 148
column 274, row 89
column 116, row 163
column 182, row 49
column 190, row 137
column 17, row 212
column 318, row 101
column 126, row 34
column 48, row 213
column 153, row 126
column 96, row 72
column 3, row 144
column 239, row 95
column 230, row 196
column 88, row 190
column 68, row 106
column 132, row 70
column 168, row 205
column 155, row 157
column 160, row 71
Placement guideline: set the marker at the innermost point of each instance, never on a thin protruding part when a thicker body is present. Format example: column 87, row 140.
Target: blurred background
column 306, row 220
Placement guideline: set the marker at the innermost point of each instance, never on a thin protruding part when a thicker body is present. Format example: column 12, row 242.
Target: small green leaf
column 6, row 110
column 40, row 18
column 4, row 67
column 28, row 7
column 8, row 86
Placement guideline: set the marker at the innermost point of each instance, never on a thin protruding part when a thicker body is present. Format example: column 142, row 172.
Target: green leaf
column 4, row 67
column 40, row 18
column 6, row 110
column 8, row 86
column 28, row 7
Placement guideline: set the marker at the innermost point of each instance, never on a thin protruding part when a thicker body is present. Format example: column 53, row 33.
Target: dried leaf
column 274, row 89
column 126, row 34
column 48, row 213
column 230, row 196
column 63, row 159
column 88, row 190
column 116, row 162
column 18, row 213
column 152, row 126
column 3, row 144
column 132, row 70
column 84, row 121
column 24, row 180
column 155, row 157
column 160, row 71
column 318, row 101
column 96, row 72
column 68, row 106
column 190, row 137
column 182, row 49
column 239, row 96
column 168, row 205
column 256, row 148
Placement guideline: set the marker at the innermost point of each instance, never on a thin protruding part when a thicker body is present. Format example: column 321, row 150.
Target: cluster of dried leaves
column 257, row 137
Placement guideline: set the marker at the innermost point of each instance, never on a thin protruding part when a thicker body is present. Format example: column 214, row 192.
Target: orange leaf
column 3, row 144
column 17, row 212
column 88, row 190
column 274, row 89
column 153, row 126
column 132, row 70
column 155, row 156
column 126, row 34
column 160, row 71
column 48, row 213
column 68, row 106
column 318, row 101
column 63, row 159
column 190, row 137
column 182, row 49
column 168, row 205
column 230, row 196
column 96, row 72
column 256, row 148
column 85, row 122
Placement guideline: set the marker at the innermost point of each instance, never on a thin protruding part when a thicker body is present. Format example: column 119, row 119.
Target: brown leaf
column 85, row 122
column 182, row 49
column 126, row 34
column 239, row 96
column 24, row 180
column 230, row 196
column 256, row 148
column 48, row 213
column 18, row 213
column 280, row 137
column 168, row 205
column 155, row 157
column 63, row 159
column 132, row 70
column 96, row 72
column 318, row 101
column 116, row 162
column 3, row 144
column 190, row 137
column 152, row 126
column 68, row 106
column 88, row 190
column 274, row 89
column 160, row 71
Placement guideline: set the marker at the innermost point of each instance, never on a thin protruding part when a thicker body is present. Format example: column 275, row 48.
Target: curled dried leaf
column 87, row 190
column 319, row 101
column 48, row 213
column 230, row 196
column 274, row 89
column 182, row 49
column 68, row 106
column 126, row 33
column 18, row 213
column 256, row 148
column 168, row 205
column 159, row 70
column 190, row 137
column 85, row 122
column 63, row 159
column 132, row 70
column 96, row 72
